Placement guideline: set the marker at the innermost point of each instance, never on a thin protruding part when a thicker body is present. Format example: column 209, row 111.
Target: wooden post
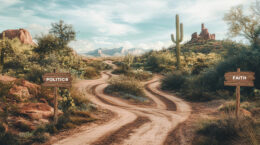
column 55, row 103
column 237, row 97
column 56, row 80
column 239, row 79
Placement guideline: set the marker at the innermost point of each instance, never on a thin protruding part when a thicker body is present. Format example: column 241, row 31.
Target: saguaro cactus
column 2, row 51
column 178, row 40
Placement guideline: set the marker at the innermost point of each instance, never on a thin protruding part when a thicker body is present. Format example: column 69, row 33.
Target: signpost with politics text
column 57, row 80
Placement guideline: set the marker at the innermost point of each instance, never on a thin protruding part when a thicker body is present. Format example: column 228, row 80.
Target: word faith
column 239, row 77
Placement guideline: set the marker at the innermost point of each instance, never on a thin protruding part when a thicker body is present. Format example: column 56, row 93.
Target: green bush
column 9, row 139
column 80, row 100
column 4, row 89
column 174, row 81
column 122, row 69
column 90, row 72
column 126, row 85
column 158, row 62
column 140, row 75
column 35, row 75
column 67, row 103
column 246, row 60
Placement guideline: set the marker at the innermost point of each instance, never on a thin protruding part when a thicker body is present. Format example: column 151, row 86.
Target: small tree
column 64, row 32
column 241, row 24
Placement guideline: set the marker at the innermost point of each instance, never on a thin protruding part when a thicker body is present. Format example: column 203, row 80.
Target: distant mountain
column 101, row 52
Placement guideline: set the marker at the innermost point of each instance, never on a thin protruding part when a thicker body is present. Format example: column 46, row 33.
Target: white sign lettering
column 57, row 79
column 239, row 77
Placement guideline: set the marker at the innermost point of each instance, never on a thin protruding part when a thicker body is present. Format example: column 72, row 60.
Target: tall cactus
column 3, row 45
column 178, row 40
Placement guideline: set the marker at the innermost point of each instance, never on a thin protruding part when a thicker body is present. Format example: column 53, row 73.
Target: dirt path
column 132, row 124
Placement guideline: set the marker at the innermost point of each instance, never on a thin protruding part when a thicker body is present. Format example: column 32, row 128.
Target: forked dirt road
column 132, row 124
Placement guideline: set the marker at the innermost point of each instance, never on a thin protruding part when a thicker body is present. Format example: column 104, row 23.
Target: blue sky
column 114, row 23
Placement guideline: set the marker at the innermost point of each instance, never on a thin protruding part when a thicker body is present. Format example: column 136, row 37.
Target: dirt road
column 132, row 124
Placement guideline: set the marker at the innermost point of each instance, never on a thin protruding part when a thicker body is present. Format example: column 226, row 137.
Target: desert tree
column 65, row 32
column 241, row 24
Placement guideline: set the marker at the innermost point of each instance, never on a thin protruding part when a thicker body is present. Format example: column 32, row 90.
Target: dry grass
column 126, row 85
column 227, row 130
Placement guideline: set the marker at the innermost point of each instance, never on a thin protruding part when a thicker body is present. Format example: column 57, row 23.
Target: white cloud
column 103, row 23
column 205, row 10
column 36, row 29
column 82, row 46
column 8, row 3
column 124, row 44
column 158, row 45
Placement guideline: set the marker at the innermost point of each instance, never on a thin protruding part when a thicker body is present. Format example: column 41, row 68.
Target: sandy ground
column 131, row 124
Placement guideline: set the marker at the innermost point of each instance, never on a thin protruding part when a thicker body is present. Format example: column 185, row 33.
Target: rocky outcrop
column 20, row 93
column 23, row 35
column 203, row 36
column 36, row 111
column 21, row 90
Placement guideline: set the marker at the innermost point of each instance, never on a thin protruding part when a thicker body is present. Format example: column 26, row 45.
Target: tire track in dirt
column 93, row 133
column 169, row 104
column 118, row 136
column 154, row 132
column 132, row 124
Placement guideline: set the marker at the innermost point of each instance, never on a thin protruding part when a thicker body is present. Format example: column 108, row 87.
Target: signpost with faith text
column 239, row 79
column 57, row 80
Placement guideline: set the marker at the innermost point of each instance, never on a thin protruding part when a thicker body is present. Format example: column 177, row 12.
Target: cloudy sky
column 114, row 23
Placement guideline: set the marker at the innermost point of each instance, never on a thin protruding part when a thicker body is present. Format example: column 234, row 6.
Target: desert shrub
column 174, row 81
column 14, row 64
column 139, row 75
column 23, row 127
column 67, row 102
column 41, row 138
column 247, row 60
column 81, row 113
column 25, row 137
column 117, row 63
column 47, row 43
column 199, row 95
column 35, row 74
column 158, row 62
column 227, row 131
column 51, row 128
column 9, row 139
column 80, row 100
column 90, row 72
column 126, row 85
column 230, row 106
column 99, row 65
column 122, row 69
column 64, row 119
column 4, row 88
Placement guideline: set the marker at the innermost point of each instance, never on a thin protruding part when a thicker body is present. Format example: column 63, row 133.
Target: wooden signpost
column 239, row 79
column 57, row 80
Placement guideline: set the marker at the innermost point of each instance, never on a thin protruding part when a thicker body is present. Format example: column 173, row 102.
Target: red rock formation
column 36, row 110
column 204, row 35
column 23, row 35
